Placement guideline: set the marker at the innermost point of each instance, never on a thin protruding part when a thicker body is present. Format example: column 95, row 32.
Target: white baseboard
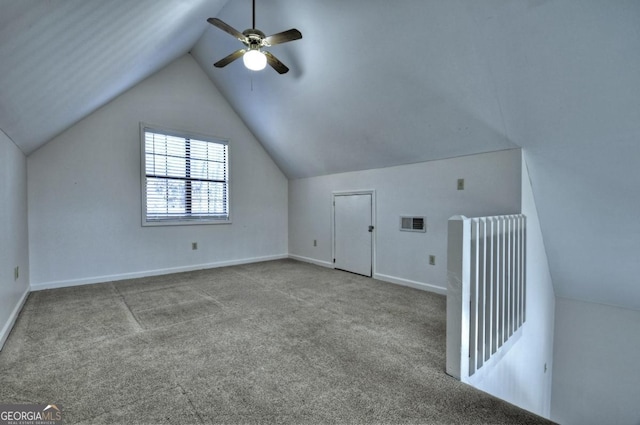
column 311, row 260
column 411, row 283
column 391, row 279
column 147, row 273
column 6, row 329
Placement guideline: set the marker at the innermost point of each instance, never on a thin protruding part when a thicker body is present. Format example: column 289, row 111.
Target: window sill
column 160, row 223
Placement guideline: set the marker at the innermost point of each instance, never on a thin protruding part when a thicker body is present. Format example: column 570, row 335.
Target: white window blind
column 186, row 179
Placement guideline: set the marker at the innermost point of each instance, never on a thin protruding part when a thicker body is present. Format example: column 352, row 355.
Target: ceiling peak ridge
column 446, row 158
column 12, row 141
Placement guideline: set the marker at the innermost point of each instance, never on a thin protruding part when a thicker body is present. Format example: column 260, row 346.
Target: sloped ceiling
column 62, row 59
column 376, row 83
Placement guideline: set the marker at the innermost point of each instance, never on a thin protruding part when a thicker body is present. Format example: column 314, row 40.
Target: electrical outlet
column 194, row 245
column 16, row 273
column 460, row 184
column 315, row 242
column 432, row 260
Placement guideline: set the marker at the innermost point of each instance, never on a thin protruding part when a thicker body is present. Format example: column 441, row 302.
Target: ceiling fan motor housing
column 255, row 38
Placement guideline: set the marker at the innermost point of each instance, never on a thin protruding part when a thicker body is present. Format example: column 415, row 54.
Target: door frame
column 374, row 237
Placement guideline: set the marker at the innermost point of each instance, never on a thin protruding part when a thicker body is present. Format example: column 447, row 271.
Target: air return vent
column 413, row 224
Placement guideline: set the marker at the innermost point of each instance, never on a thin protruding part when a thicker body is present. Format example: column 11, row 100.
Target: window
column 185, row 178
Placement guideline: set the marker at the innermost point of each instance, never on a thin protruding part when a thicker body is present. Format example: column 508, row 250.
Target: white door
column 353, row 233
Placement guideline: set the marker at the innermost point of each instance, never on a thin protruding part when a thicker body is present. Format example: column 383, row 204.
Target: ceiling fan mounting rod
column 253, row 22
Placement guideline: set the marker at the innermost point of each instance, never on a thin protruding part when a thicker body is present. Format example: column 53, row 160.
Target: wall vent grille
column 413, row 224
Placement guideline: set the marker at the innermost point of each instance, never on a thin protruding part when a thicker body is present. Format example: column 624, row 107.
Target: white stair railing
column 486, row 293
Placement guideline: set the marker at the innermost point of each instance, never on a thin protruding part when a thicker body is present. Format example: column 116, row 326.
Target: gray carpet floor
column 273, row 342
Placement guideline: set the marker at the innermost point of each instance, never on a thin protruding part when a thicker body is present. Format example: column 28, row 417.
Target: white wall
column 596, row 370
column 492, row 186
column 14, row 250
column 566, row 77
column 520, row 376
column 84, row 190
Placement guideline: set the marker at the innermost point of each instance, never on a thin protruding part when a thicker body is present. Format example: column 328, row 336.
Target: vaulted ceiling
column 376, row 83
column 62, row 59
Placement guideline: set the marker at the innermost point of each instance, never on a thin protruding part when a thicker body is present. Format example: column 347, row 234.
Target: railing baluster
column 509, row 237
column 482, row 293
column 501, row 279
column 512, row 258
column 473, row 310
column 523, row 272
column 519, row 271
column 490, row 288
column 495, row 282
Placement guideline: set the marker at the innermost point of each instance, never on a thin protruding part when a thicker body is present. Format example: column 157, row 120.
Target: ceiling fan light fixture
column 254, row 60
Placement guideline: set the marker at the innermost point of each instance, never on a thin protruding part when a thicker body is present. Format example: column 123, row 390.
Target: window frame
column 183, row 221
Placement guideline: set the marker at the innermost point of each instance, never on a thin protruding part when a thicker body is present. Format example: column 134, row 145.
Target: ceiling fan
column 255, row 40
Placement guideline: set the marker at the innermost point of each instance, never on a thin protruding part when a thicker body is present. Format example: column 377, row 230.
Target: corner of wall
column 14, row 251
column 541, row 295
column 13, row 316
column 524, row 375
